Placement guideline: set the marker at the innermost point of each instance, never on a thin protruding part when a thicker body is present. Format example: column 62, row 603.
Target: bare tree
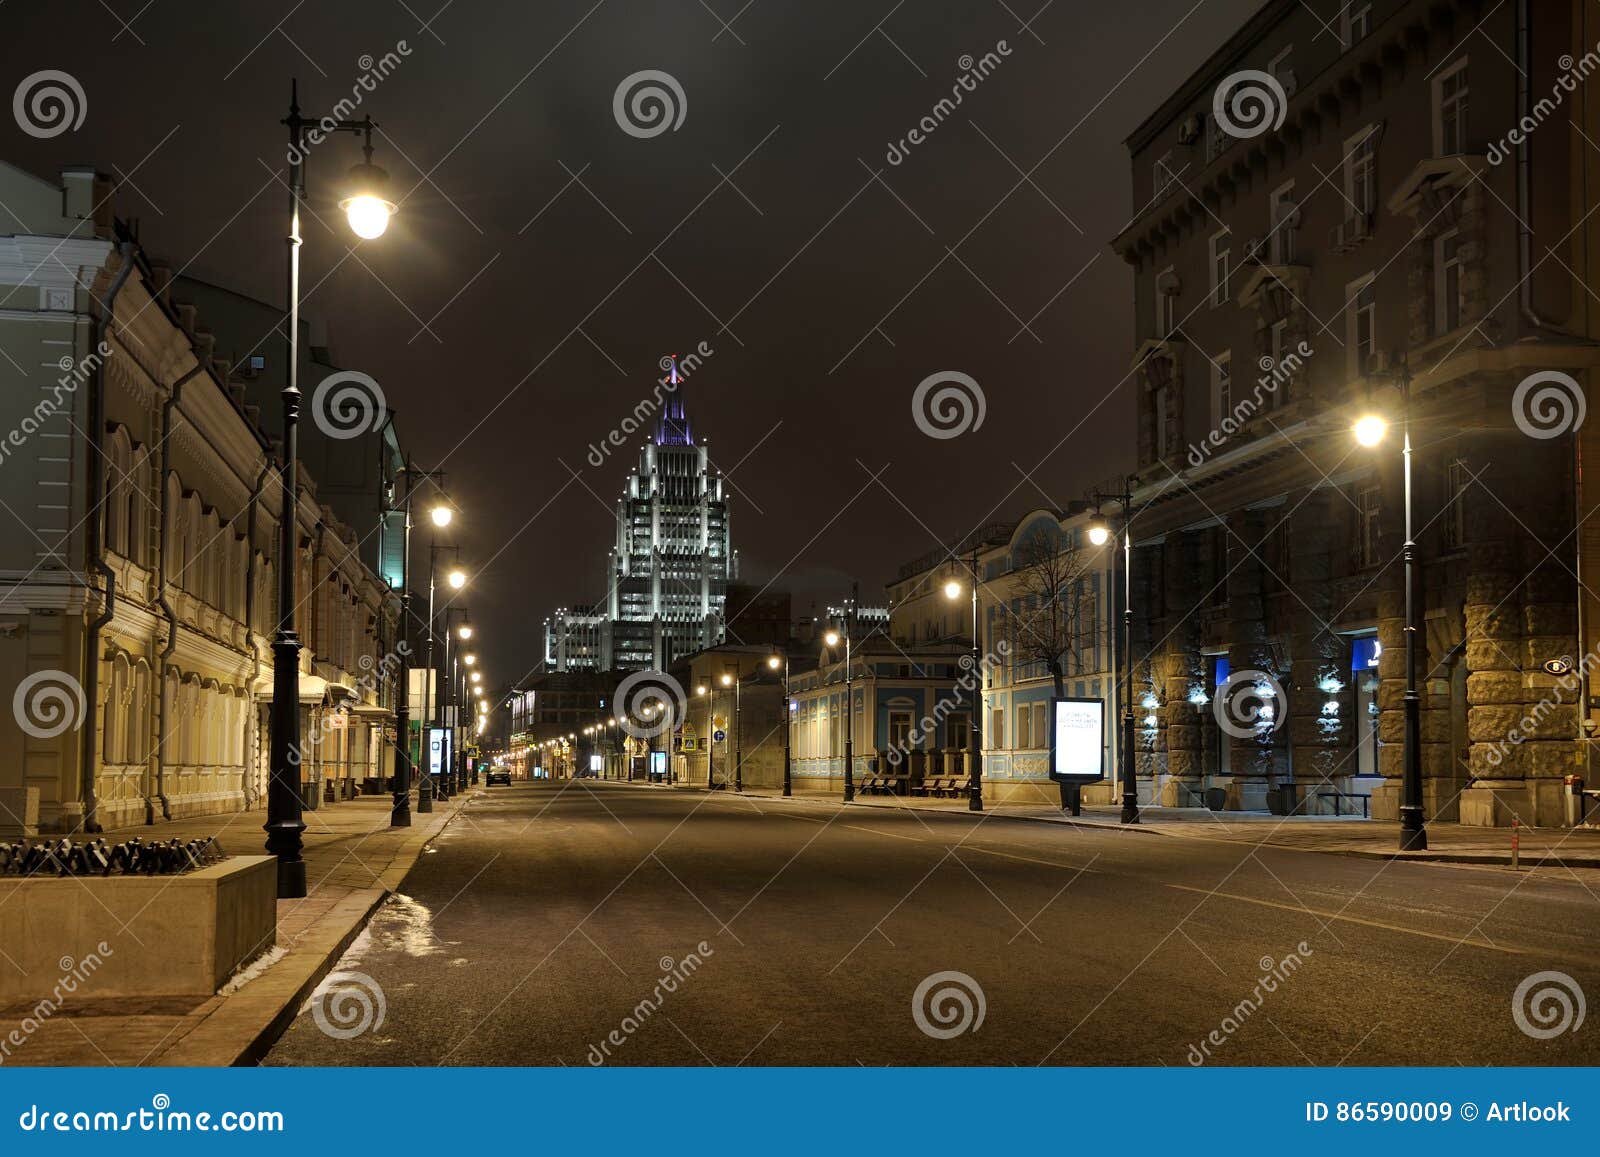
column 1053, row 623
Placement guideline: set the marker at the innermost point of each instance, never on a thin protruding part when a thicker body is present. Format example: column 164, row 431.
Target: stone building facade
column 1381, row 234
column 136, row 583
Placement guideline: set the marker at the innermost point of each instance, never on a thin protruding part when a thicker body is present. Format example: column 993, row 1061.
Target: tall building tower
column 669, row 567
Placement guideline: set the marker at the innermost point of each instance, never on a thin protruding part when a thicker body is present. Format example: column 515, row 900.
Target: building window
column 1221, row 256
column 1163, row 436
column 1361, row 171
column 900, row 730
column 1368, row 505
column 1164, row 174
column 957, row 734
column 1278, row 341
column 1450, row 110
column 1355, row 21
column 1166, row 302
column 1283, row 214
column 1458, row 478
column 1280, row 69
column 1447, row 300
column 997, row 728
column 1362, row 336
column 1221, row 387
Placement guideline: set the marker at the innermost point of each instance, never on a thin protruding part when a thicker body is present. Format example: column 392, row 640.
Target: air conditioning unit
column 1189, row 130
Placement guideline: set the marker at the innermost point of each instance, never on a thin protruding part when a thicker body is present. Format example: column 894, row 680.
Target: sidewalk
column 1447, row 842
column 354, row 859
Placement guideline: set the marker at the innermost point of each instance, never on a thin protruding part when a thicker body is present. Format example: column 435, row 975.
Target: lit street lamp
column 368, row 214
column 735, row 682
column 1099, row 535
column 952, row 590
column 1369, row 431
column 832, row 638
column 775, row 662
column 400, row 812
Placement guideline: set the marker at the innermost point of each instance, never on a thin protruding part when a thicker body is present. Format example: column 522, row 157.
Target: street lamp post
column 1369, row 431
column 735, row 681
column 400, row 814
column 952, row 590
column 1099, row 535
column 429, row 787
column 774, row 662
column 368, row 214
column 833, row 638
column 711, row 722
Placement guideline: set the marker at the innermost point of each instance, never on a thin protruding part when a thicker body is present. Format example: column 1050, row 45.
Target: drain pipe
column 94, row 547
column 174, row 396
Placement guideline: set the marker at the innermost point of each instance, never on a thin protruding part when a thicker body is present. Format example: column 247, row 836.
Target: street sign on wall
column 1077, row 740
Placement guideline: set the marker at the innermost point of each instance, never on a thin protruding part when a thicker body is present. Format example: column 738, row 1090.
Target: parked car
column 497, row 775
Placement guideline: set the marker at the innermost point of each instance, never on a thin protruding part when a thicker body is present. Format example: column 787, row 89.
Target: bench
column 933, row 785
column 1338, row 798
column 959, row 786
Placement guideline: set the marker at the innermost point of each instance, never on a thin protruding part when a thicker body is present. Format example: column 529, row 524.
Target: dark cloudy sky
column 544, row 260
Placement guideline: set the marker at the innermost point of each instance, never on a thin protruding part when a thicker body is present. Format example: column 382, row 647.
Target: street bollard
column 1516, row 833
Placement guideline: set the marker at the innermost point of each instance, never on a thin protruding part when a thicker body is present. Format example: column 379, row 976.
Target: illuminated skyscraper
column 668, row 570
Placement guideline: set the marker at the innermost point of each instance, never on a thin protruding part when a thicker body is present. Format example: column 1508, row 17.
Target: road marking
column 1031, row 860
column 1401, row 929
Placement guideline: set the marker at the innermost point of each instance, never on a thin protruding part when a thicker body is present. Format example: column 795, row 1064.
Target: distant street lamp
column 711, row 704
column 952, row 590
column 774, row 662
column 832, row 638
column 369, row 214
column 400, row 812
column 457, row 578
column 736, row 681
column 1099, row 535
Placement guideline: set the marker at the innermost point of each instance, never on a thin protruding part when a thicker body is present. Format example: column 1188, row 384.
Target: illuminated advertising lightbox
column 438, row 750
column 658, row 763
column 1077, row 740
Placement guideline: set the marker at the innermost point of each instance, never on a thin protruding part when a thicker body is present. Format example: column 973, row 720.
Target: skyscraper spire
column 672, row 427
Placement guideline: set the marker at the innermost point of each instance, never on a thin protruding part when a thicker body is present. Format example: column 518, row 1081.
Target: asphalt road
column 538, row 928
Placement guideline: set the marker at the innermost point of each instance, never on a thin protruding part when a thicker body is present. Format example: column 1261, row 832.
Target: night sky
column 544, row 260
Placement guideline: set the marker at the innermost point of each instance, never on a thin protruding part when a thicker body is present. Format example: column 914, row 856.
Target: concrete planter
column 137, row 935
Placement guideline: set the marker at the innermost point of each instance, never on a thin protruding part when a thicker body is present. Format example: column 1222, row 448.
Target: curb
column 1528, row 861
column 215, row 1042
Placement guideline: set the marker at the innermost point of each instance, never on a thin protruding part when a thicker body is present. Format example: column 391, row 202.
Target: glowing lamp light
column 952, row 589
column 1199, row 697
column 1369, row 430
column 774, row 662
column 1099, row 534
column 727, row 680
column 458, row 579
column 441, row 515
column 831, row 638
column 465, row 631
